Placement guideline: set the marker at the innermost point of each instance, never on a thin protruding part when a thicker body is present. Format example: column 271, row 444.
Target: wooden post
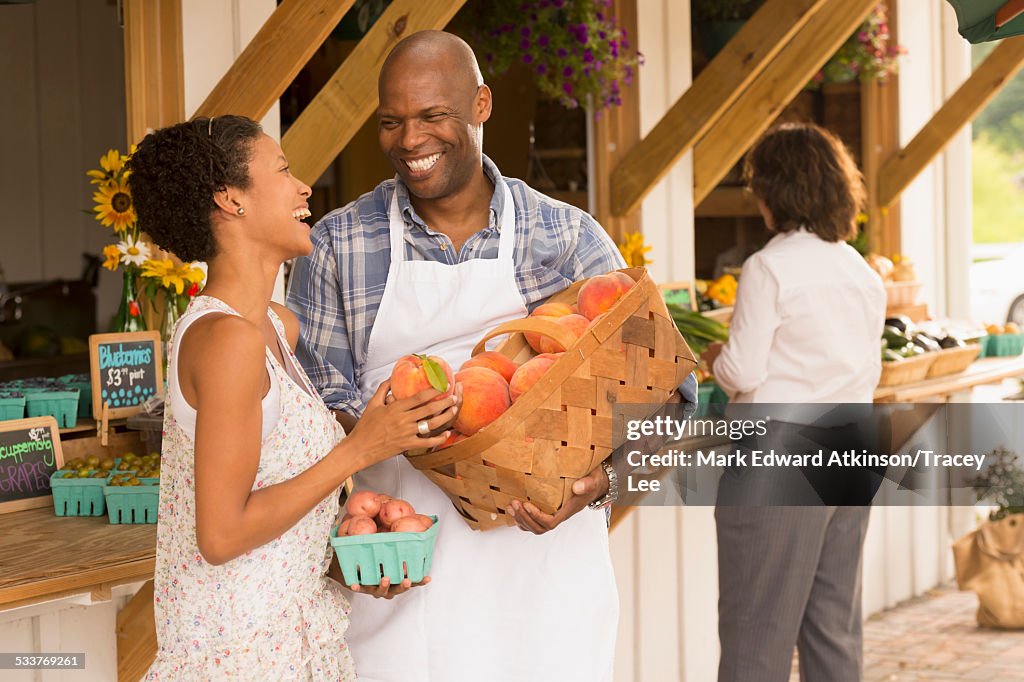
column 978, row 90
column 761, row 102
column 349, row 98
column 153, row 65
column 277, row 53
column 616, row 132
column 136, row 636
column 710, row 95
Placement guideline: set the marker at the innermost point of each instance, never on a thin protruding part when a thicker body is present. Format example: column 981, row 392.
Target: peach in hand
column 484, row 398
column 415, row 373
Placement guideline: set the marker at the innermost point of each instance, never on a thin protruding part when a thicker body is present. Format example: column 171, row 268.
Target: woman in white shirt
column 809, row 315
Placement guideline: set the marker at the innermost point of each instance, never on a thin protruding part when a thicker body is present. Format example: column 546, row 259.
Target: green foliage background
column 998, row 162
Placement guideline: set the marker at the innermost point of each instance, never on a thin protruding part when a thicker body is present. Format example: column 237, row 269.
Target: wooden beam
column 879, row 115
column 290, row 36
column 756, row 108
column 710, row 95
column 154, row 71
column 970, row 98
column 616, row 132
column 136, row 635
column 350, row 97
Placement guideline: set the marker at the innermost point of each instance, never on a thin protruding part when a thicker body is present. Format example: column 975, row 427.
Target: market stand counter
column 983, row 371
column 46, row 557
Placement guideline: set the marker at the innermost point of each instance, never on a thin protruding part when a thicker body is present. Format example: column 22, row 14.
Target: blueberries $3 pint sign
column 127, row 370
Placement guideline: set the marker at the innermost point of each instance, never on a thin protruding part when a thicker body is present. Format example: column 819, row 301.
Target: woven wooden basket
column 906, row 371
column 561, row 428
column 953, row 360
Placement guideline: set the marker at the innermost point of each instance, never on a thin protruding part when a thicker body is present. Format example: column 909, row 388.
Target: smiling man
column 426, row 263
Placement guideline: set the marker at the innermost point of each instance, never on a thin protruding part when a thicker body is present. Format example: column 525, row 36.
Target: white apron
column 502, row 605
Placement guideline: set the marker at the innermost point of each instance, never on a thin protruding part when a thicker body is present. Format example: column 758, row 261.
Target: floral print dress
column 270, row 614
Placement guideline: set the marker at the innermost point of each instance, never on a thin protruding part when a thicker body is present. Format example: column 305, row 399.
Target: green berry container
column 709, row 393
column 1002, row 345
column 84, row 386
column 12, row 406
column 77, row 496
column 62, row 405
column 133, row 503
column 366, row 559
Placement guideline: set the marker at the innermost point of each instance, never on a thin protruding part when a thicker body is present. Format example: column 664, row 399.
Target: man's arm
column 324, row 345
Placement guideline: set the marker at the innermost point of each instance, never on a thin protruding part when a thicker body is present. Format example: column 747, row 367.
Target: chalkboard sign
column 127, row 369
column 29, row 453
column 679, row 293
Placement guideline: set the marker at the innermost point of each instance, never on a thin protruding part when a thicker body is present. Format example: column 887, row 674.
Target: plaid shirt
column 336, row 290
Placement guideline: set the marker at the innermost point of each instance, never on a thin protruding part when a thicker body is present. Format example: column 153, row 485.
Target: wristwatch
column 613, row 488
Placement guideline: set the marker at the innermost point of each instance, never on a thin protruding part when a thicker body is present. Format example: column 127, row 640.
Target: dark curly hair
column 806, row 178
column 175, row 172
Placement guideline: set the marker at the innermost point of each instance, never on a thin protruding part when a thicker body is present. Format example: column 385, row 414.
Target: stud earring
column 240, row 211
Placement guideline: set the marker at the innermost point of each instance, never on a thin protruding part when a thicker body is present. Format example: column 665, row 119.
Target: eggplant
column 951, row 342
column 926, row 342
column 901, row 322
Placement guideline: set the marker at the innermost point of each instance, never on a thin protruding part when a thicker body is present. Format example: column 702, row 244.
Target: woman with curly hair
column 809, row 314
column 252, row 459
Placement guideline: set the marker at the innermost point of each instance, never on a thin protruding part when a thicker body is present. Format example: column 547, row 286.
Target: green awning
column 977, row 19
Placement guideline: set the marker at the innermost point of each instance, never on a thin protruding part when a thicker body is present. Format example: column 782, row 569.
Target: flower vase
column 170, row 316
column 129, row 313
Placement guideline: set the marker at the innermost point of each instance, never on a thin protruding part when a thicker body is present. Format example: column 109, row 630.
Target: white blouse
column 807, row 325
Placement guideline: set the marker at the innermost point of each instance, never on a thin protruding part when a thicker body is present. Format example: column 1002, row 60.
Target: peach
column 484, row 398
column 452, row 440
column 625, row 281
column 411, row 524
column 392, row 510
column 363, row 503
column 528, row 374
column 546, row 310
column 361, row 525
column 410, row 376
column 577, row 324
column 492, row 359
column 598, row 295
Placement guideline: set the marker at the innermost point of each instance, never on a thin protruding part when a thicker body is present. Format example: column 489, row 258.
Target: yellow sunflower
column 112, row 254
column 114, row 207
column 634, row 251
column 111, row 164
column 172, row 277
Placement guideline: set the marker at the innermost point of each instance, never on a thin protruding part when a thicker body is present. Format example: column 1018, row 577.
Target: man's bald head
column 439, row 50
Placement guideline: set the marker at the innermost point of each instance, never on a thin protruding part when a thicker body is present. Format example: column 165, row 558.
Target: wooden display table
column 44, row 557
column 983, row 371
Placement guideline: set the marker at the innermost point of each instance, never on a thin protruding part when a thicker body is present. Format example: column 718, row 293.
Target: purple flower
column 567, row 88
column 527, row 58
column 567, row 72
column 562, row 52
column 542, row 69
column 543, row 41
column 524, row 44
column 588, row 56
column 558, row 3
column 602, row 35
column 525, row 31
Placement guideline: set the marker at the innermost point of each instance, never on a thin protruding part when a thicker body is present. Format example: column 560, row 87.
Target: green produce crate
column 77, row 496
column 1002, row 345
column 62, row 405
column 12, row 406
column 362, row 557
column 81, row 382
column 709, row 393
column 133, row 503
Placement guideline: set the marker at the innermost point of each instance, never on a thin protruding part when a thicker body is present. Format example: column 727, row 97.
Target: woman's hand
column 388, row 428
column 386, row 590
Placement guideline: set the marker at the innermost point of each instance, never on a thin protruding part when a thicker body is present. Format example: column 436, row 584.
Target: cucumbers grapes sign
column 127, row 370
column 29, row 453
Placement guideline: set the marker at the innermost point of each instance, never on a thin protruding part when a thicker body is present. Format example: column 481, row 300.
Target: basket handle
column 536, row 325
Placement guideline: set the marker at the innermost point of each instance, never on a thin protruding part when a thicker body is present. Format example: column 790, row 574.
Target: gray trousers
column 790, row 577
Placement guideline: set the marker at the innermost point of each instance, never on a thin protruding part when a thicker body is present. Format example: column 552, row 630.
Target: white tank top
column 184, row 413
